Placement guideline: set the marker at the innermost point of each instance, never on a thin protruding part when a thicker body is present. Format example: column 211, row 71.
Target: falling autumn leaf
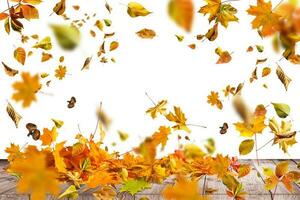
column 60, row 72
column 9, row 71
column 265, row 18
column 20, row 55
column 113, row 45
column 285, row 80
column 68, row 37
column 44, row 44
column 266, row 71
column 26, row 89
column 13, row 114
column 146, row 33
column 136, row 10
column 60, row 7
column 182, row 13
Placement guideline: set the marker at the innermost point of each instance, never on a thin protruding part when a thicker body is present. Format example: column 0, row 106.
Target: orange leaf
column 182, row 12
column 29, row 12
column 265, row 18
column 26, row 89
column 20, row 55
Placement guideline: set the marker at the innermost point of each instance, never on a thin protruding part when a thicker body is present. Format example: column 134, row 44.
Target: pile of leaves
column 88, row 163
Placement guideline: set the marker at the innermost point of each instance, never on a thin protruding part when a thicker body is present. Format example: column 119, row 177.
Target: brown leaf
column 86, row 64
column 9, row 71
column 13, row 114
column 253, row 75
column 60, row 7
column 146, row 33
column 285, row 80
column 20, row 55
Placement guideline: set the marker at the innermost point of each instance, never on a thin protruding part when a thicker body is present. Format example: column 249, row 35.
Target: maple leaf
column 265, row 18
column 101, row 177
column 13, row 151
column 135, row 186
column 282, row 174
column 49, row 136
column 220, row 165
column 223, row 13
column 35, row 177
column 182, row 190
column 161, row 137
column 179, row 118
column 213, row 99
column 256, row 123
column 26, row 89
column 159, row 108
column 283, row 134
column 60, row 72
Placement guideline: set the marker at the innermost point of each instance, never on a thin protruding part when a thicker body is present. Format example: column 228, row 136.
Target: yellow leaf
column 161, row 137
column 178, row 117
column 265, row 18
column 60, row 72
column 136, row 10
column 281, row 168
column 159, row 108
column 69, row 193
column 20, row 55
column 246, row 147
column 59, row 160
column 49, row 136
column 44, row 44
column 182, row 12
column 26, row 89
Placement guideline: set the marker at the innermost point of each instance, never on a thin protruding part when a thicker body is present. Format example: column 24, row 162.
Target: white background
column 163, row 67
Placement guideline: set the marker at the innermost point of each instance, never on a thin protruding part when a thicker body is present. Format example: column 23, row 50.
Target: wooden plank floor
column 253, row 183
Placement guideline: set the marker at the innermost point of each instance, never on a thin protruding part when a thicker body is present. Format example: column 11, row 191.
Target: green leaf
column 282, row 110
column 246, row 147
column 230, row 182
column 70, row 193
column 68, row 37
column 134, row 186
column 44, row 44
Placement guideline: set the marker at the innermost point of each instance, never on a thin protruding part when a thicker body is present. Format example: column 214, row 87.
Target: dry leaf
column 20, row 55
column 146, row 33
column 9, row 71
column 86, row 63
column 285, row 80
column 136, row 10
column 13, row 114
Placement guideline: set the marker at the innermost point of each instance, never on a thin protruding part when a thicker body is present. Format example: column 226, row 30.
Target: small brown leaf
column 60, row 7
column 146, row 33
column 86, row 64
column 9, row 71
column 253, row 75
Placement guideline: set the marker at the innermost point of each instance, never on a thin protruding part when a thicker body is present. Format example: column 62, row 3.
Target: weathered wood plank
column 253, row 184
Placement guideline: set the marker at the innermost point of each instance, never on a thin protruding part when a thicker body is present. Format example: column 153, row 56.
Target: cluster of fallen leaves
column 42, row 170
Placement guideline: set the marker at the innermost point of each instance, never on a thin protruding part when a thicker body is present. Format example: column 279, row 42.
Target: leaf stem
column 98, row 121
column 197, row 125
column 256, row 151
column 265, row 144
column 150, row 98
